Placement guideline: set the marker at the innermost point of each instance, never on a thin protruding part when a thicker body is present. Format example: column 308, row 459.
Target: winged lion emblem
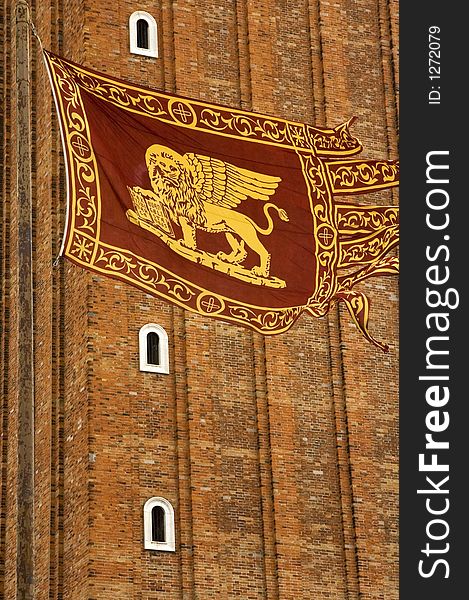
column 198, row 192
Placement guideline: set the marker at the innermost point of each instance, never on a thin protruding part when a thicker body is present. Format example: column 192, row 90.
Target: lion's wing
column 222, row 183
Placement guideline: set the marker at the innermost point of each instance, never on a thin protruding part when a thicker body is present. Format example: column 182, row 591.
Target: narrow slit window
column 142, row 34
column 153, row 348
column 158, row 525
column 158, row 532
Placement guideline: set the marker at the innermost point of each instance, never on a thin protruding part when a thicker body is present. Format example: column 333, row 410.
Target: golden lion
column 199, row 192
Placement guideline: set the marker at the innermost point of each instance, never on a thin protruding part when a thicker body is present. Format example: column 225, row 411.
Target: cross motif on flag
column 182, row 112
column 81, row 148
column 326, row 237
column 210, row 305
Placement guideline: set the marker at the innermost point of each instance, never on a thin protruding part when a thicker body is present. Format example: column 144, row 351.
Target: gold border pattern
column 211, row 118
column 358, row 176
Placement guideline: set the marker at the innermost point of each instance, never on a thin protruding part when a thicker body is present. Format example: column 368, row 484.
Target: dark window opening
column 158, row 533
column 142, row 34
column 153, row 348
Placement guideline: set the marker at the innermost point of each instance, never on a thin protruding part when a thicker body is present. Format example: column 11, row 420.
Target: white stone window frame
column 169, row 545
column 163, row 349
column 152, row 50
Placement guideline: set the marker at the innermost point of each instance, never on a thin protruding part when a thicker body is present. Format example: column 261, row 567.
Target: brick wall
column 278, row 454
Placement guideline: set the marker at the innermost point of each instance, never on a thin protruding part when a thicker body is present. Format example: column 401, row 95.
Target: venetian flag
column 228, row 213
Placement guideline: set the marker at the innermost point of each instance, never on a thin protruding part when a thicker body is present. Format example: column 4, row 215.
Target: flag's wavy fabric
column 224, row 212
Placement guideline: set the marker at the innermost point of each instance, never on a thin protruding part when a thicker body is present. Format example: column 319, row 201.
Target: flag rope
column 33, row 26
column 35, row 33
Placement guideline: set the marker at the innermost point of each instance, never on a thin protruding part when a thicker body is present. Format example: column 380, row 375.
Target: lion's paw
column 259, row 272
column 184, row 244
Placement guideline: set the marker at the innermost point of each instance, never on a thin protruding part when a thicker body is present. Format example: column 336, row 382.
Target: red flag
column 221, row 211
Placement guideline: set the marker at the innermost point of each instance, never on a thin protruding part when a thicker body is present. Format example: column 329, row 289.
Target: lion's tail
column 270, row 224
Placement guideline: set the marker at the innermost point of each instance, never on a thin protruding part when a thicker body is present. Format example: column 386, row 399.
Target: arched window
column 143, row 32
column 153, row 349
column 158, row 529
column 158, row 525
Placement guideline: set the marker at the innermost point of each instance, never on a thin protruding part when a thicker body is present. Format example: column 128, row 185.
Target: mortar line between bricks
column 183, row 453
column 267, row 505
column 317, row 70
column 245, row 101
column 182, row 403
column 344, row 468
column 57, row 337
column 168, row 55
column 344, row 474
column 389, row 83
column 269, row 529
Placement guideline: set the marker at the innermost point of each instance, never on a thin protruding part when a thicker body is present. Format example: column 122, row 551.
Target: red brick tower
column 279, row 454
